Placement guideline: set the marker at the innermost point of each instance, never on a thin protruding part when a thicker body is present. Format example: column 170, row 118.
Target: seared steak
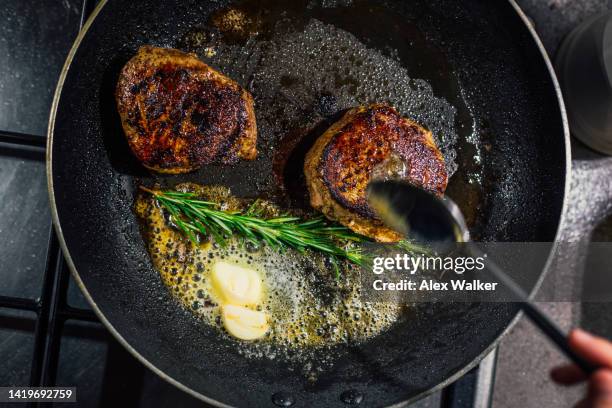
column 370, row 142
column 179, row 114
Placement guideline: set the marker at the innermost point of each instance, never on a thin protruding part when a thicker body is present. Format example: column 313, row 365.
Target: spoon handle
column 537, row 316
column 550, row 328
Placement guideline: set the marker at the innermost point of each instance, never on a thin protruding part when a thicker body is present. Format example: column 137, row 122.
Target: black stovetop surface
column 48, row 333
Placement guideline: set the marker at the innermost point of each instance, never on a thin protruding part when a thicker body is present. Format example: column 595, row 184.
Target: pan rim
column 452, row 378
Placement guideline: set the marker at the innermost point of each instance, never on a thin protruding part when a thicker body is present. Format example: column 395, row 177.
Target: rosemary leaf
column 194, row 216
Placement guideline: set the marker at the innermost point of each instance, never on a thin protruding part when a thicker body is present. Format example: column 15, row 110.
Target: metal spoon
column 439, row 222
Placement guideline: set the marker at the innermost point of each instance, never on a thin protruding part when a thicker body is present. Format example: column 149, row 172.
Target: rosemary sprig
column 194, row 216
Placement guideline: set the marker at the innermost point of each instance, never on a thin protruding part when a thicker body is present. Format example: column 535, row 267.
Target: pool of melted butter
column 307, row 305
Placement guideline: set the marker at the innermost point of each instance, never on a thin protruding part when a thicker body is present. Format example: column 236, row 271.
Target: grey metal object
column 584, row 67
column 484, row 381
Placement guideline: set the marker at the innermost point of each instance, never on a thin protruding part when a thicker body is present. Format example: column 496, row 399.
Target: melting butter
column 301, row 302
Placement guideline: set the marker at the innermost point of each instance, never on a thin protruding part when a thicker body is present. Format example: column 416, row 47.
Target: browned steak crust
column 179, row 114
column 343, row 160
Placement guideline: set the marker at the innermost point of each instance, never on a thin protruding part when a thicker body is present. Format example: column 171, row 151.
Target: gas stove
column 49, row 334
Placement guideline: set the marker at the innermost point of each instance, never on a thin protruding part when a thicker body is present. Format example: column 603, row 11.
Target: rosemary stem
column 193, row 216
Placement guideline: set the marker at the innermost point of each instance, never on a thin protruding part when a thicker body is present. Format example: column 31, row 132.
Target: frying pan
column 473, row 71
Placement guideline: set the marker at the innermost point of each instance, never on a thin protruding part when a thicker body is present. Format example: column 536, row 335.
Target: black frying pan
column 472, row 71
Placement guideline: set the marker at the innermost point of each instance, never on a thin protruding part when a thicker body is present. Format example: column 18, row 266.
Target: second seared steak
column 179, row 114
column 370, row 142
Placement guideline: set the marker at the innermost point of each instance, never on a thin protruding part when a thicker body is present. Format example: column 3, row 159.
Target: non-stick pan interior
column 468, row 70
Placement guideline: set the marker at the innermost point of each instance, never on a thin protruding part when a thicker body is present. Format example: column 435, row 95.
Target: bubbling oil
column 306, row 304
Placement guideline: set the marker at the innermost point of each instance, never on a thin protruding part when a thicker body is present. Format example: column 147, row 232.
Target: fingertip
column 594, row 349
column 601, row 381
column 580, row 336
column 557, row 373
column 554, row 375
column 600, row 388
column 567, row 374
